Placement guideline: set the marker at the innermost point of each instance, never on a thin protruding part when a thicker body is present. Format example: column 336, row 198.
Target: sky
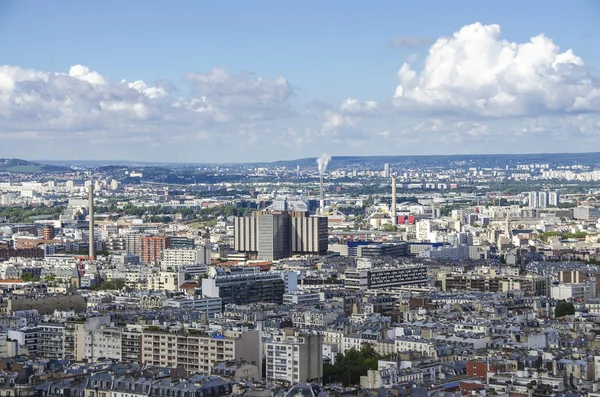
column 262, row 80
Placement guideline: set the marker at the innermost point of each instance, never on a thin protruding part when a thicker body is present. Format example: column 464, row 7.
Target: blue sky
column 325, row 51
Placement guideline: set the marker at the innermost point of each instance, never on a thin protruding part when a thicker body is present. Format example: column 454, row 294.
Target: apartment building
column 302, row 298
column 295, row 358
column 131, row 341
column 103, row 342
column 313, row 318
column 192, row 351
column 387, row 277
column 163, row 281
column 50, row 341
column 246, row 287
column 26, row 337
column 132, row 243
column 405, row 344
column 151, row 248
column 206, row 305
column 176, row 257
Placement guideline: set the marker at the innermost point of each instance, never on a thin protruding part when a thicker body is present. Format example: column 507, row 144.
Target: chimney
column 91, row 218
column 322, row 196
column 394, row 216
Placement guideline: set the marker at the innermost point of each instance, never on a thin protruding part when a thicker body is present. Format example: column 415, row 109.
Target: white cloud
column 475, row 93
column 476, row 72
column 341, row 127
column 150, row 92
column 351, row 105
column 334, row 121
column 259, row 97
column 85, row 100
column 85, row 74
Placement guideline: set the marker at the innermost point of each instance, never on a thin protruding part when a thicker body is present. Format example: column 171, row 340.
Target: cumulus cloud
column 260, row 96
column 353, row 105
column 409, row 41
column 84, row 100
column 341, row 127
column 476, row 72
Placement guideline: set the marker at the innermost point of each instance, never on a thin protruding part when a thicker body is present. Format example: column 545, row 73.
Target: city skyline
column 237, row 82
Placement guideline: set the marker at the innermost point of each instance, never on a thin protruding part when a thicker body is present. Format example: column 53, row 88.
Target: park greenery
column 159, row 213
column 548, row 235
column 564, row 308
column 350, row 366
column 114, row 284
column 84, row 252
column 28, row 277
column 25, row 214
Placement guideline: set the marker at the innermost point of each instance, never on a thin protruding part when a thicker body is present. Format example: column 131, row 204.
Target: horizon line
column 306, row 158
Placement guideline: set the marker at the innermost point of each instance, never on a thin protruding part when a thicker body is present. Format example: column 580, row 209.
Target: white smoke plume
column 322, row 162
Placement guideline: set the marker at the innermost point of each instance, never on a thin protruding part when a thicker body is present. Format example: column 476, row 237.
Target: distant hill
column 353, row 162
column 471, row 160
column 27, row 167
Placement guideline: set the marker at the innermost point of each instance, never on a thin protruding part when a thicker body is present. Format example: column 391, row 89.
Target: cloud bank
column 476, row 72
column 474, row 91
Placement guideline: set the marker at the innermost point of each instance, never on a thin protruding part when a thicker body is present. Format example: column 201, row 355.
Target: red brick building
column 479, row 368
column 469, row 388
column 151, row 248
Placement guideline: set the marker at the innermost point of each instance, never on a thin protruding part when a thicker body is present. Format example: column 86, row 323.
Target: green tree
column 115, row 284
column 28, row 277
column 389, row 227
column 349, row 367
column 564, row 308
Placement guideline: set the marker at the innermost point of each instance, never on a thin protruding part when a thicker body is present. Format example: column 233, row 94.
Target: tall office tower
column 542, row 199
column 274, row 236
column 553, row 199
column 280, row 234
column 309, row 234
column 533, row 199
column 91, row 220
column 394, row 198
column 386, row 170
column 245, row 233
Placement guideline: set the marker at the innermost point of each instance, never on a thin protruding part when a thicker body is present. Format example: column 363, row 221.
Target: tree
column 564, row 308
column 116, row 284
column 349, row 367
column 388, row 227
column 27, row 277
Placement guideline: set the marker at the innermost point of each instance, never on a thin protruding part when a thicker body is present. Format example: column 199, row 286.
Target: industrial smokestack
column 322, row 163
column 91, row 219
column 394, row 217
column 321, row 196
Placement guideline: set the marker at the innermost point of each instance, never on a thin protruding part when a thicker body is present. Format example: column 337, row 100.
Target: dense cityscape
column 321, row 276
column 299, row 198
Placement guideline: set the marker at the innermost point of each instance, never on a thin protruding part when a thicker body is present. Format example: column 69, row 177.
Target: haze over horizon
column 233, row 81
